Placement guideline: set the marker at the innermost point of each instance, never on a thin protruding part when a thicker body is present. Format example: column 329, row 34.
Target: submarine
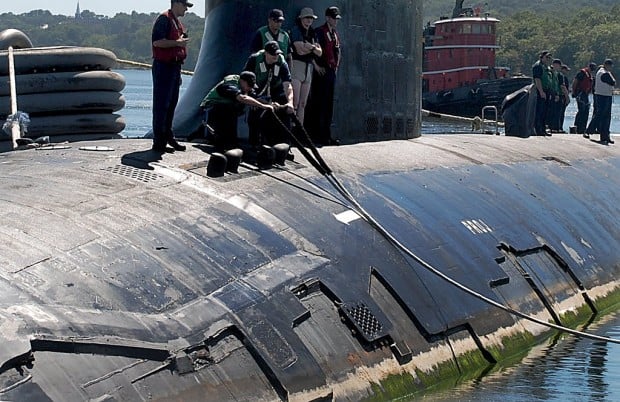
column 368, row 271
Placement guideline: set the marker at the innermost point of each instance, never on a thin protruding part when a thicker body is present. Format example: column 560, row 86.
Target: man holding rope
column 273, row 79
column 226, row 102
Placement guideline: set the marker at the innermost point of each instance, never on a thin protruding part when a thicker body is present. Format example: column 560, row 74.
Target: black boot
column 174, row 144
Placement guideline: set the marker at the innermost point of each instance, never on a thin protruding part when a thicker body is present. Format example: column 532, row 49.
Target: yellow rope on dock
column 146, row 65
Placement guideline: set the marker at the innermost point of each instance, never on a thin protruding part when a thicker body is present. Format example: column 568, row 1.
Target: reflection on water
column 565, row 369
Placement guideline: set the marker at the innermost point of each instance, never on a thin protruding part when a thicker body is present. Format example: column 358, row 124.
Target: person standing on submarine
column 273, row 81
column 305, row 50
column 604, row 83
column 320, row 108
column 273, row 32
column 169, row 44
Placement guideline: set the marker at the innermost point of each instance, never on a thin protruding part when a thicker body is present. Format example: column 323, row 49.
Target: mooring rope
column 319, row 163
column 146, row 65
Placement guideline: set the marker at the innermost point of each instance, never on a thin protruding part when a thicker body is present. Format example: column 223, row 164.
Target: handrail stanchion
column 494, row 110
column 15, row 129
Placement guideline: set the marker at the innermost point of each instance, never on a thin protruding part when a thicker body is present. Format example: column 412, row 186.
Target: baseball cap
column 276, row 14
column 544, row 53
column 273, row 48
column 333, row 12
column 187, row 3
column 592, row 66
column 307, row 12
column 609, row 62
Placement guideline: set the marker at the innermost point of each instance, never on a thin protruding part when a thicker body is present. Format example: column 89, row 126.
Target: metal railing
column 495, row 121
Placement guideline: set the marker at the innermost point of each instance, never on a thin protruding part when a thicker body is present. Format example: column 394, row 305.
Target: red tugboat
column 460, row 76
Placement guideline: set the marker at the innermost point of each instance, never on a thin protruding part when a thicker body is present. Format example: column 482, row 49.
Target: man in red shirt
column 582, row 88
column 321, row 103
column 169, row 41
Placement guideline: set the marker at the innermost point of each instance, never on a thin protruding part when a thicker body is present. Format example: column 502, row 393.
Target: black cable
column 384, row 232
column 311, row 145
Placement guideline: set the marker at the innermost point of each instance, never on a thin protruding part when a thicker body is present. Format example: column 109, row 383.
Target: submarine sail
column 378, row 85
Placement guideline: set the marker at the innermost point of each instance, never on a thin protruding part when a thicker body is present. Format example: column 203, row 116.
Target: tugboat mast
column 458, row 8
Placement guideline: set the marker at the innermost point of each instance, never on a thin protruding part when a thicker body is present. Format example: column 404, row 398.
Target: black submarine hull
column 126, row 276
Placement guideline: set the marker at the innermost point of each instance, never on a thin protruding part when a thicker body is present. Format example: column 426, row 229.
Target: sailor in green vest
column 273, row 81
column 225, row 103
column 273, row 32
column 542, row 77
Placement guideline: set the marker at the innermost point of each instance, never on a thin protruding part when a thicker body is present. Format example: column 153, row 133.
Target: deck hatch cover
column 142, row 175
column 364, row 321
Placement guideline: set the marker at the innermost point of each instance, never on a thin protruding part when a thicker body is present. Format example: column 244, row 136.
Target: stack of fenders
column 69, row 93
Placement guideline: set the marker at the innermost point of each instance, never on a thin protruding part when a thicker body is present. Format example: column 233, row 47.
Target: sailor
column 305, row 50
column 543, row 78
column 604, row 83
column 226, row 102
column 559, row 94
column 582, row 88
column 169, row 42
column 273, row 32
column 321, row 103
column 273, row 79
column 565, row 96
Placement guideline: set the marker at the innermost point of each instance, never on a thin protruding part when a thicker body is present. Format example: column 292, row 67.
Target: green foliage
column 588, row 35
column 127, row 35
column 433, row 9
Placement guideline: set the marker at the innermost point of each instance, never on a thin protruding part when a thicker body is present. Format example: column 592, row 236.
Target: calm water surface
column 139, row 101
column 434, row 126
column 567, row 369
column 139, row 89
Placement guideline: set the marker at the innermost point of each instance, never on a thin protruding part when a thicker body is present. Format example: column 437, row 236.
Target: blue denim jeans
column 601, row 120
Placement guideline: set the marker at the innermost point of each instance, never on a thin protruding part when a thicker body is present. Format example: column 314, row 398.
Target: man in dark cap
column 273, row 32
column 543, row 80
column 582, row 88
column 273, row 81
column 320, row 108
column 225, row 103
column 604, row 83
column 169, row 41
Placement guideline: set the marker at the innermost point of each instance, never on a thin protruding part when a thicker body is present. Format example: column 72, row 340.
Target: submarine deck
column 129, row 255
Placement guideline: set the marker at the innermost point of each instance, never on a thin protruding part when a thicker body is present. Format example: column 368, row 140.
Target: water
column 569, row 369
column 139, row 93
column 435, row 126
column 566, row 370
